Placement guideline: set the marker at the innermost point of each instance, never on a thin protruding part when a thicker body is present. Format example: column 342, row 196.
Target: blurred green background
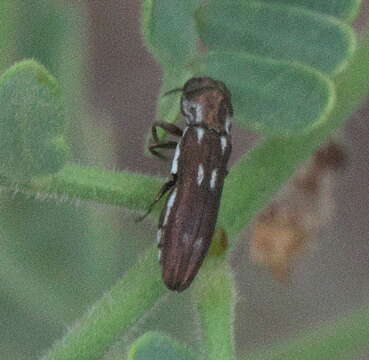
column 58, row 257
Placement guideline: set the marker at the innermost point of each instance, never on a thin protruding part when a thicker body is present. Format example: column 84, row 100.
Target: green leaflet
column 278, row 32
column 31, row 122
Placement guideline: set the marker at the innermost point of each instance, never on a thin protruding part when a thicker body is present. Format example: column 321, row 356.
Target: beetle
column 198, row 170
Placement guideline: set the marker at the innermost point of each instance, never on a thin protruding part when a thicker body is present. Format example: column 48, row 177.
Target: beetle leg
column 164, row 189
column 171, row 129
column 166, row 145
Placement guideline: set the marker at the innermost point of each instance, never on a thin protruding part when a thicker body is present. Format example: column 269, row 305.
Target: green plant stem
column 214, row 299
column 343, row 338
column 119, row 309
column 133, row 191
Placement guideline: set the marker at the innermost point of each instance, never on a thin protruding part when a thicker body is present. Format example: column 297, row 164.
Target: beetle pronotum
column 198, row 170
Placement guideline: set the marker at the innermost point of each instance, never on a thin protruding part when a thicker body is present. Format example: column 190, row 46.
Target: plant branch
column 133, row 191
column 214, row 298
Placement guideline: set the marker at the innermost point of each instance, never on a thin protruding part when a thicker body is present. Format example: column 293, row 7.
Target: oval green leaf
column 31, row 122
column 342, row 9
column 157, row 346
column 278, row 32
column 169, row 30
column 271, row 96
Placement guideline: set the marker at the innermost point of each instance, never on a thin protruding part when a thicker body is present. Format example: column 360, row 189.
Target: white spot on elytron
column 198, row 244
column 174, row 168
column 170, row 204
column 159, row 235
column 223, row 142
column 213, row 180
column 200, row 134
column 186, row 239
column 228, row 125
column 159, row 254
column 200, row 174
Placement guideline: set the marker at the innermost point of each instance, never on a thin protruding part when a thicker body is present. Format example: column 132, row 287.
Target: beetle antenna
column 170, row 92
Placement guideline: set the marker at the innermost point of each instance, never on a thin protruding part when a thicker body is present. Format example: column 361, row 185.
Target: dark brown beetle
column 199, row 168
